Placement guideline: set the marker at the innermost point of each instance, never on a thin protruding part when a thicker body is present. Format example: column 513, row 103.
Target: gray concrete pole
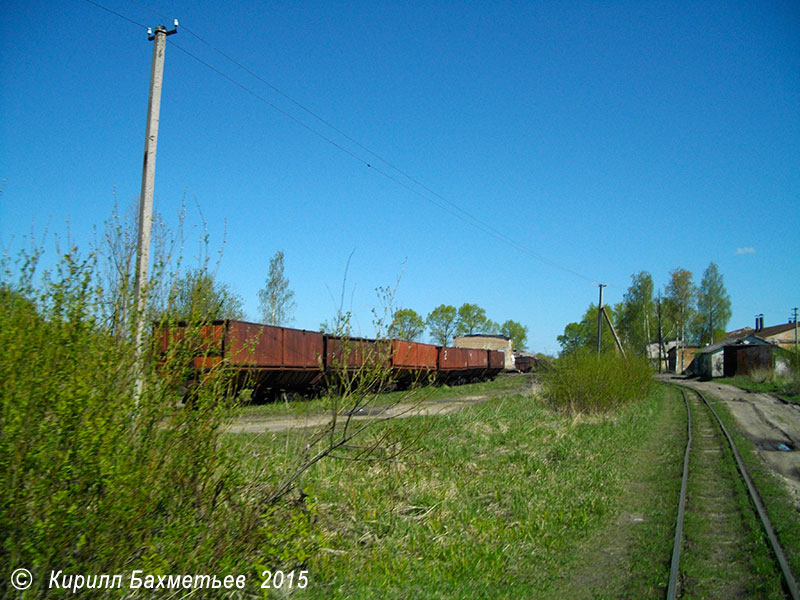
column 146, row 196
column 600, row 318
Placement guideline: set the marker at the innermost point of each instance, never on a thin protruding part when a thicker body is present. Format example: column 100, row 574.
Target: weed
column 786, row 384
column 98, row 478
column 588, row 382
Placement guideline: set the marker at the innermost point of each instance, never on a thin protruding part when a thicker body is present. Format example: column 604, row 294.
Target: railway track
column 720, row 536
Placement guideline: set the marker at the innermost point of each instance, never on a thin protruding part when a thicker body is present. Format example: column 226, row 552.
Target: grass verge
column 787, row 386
column 302, row 407
column 495, row 501
column 589, row 382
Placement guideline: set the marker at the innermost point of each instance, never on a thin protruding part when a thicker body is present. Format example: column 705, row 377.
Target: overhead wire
column 460, row 213
column 437, row 200
column 308, row 127
column 113, row 12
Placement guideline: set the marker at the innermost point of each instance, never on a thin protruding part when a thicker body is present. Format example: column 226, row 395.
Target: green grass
column 783, row 513
column 491, row 502
column 589, row 382
column 628, row 556
column 725, row 553
column 97, row 478
column 786, row 386
column 301, row 407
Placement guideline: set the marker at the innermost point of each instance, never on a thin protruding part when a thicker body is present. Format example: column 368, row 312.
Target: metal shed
column 744, row 359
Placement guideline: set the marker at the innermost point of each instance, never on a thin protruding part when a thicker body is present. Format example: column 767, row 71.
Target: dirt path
column 259, row 425
column 772, row 424
column 439, row 406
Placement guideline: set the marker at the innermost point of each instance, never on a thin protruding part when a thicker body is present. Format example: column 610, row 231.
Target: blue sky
column 598, row 138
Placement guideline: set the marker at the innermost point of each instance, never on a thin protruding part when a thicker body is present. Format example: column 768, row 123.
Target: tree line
column 198, row 294
column 682, row 311
column 446, row 322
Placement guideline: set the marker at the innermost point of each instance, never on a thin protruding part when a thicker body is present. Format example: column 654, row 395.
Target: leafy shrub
column 784, row 381
column 99, row 479
column 590, row 382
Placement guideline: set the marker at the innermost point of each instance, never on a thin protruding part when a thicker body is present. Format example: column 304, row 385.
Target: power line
column 470, row 218
column 432, row 196
column 497, row 234
column 113, row 12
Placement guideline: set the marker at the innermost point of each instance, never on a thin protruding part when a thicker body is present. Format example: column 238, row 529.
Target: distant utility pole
column 600, row 318
column 660, row 340
column 794, row 314
column 146, row 196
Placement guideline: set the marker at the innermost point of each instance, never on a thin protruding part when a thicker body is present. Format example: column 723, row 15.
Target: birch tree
column 276, row 299
column 637, row 314
column 713, row 306
column 681, row 297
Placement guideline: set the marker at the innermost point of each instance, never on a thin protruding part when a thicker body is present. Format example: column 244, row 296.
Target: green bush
column 591, row 382
column 97, row 479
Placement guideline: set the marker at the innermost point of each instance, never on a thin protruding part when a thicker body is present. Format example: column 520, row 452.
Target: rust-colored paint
column 207, row 338
column 428, row 355
column 253, row 345
column 477, row 358
column 746, row 359
column 302, row 349
column 497, row 359
column 350, row 352
column 267, row 346
column 206, row 363
column 413, row 355
column 523, row 363
column 453, row 358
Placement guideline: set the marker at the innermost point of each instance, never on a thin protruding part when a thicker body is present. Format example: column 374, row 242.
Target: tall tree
column 665, row 328
column 517, row 332
column 713, row 306
column 471, row 319
column 276, row 299
column 637, row 317
column 441, row 324
column 680, row 302
column 406, row 325
column 582, row 336
column 491, row 328
column 196, row 296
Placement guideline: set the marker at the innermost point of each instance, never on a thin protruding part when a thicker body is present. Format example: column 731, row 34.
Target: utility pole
column 146, row 196
column 796, row 355
column 600, row 317
column 660, row 341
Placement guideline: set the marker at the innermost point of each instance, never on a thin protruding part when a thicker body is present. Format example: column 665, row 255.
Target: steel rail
column 672, row 588
column 788, row 576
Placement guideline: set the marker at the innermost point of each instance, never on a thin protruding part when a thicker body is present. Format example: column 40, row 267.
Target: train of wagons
column 279, row 360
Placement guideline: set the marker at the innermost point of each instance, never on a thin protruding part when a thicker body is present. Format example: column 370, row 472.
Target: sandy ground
column 771, row 423
column 437, row 407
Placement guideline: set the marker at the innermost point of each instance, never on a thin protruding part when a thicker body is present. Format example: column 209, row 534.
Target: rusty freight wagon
column 460, row 365
column 265, row 357
column 352, row 354
column 497, row 362
column 413, row 362
column 272, row 360
column 401, row 362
